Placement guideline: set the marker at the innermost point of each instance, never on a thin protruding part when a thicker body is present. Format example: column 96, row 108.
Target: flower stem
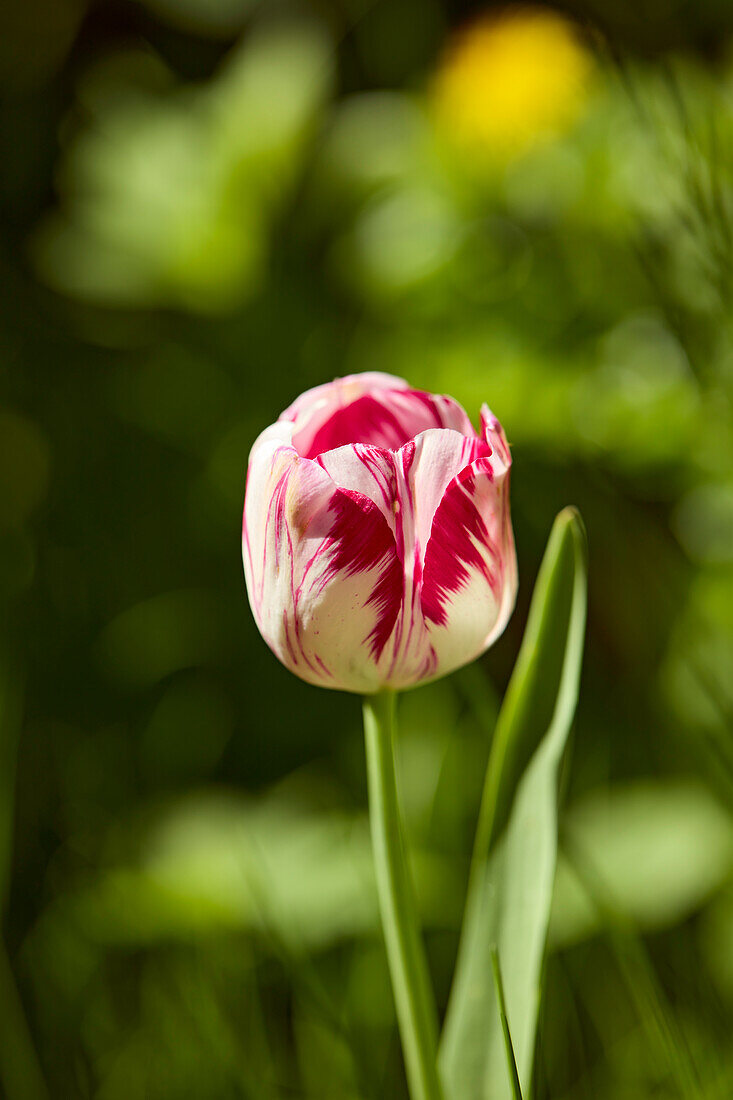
column 416, row 1014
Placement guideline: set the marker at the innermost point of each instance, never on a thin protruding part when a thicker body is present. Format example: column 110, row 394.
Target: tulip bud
column 377, row 541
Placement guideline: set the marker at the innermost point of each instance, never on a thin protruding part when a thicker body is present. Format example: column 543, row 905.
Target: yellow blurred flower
column 510, row 79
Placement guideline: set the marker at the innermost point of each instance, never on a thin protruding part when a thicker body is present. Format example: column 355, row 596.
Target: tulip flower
column 378, row 554
column 377, row 541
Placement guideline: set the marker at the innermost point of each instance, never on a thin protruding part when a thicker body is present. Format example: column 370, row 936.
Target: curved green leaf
column 508, row 1045
column 513, row 866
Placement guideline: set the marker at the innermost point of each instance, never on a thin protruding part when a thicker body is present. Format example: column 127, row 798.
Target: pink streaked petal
column 439, row 455
column 471, row 543
column 368, row 420
column 367, row 470
column 384, row 416
column 323, row 576
column 493, row 433
column 362, row 543
column 418, row 411
column 342, row 391
column 408, row 485
column 286, row 500
column 452, row 415
column 318, row 413
column 348, row 597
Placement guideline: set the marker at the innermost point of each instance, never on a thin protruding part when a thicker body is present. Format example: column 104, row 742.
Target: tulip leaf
column 511, row 1061
column 513, row 866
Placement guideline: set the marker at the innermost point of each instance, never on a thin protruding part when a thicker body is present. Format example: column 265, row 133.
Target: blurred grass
column 205, row 209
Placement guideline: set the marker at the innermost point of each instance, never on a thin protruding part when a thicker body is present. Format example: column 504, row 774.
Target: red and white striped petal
column 430, row 464
column 323, row 576
column 371, row 408
column 407, row 486
column 470, row 573
column 332, row 395
column 365, row 469
column 493, row 434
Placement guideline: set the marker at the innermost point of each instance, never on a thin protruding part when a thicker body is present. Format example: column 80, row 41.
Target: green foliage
column 658, row 849
column 510, row 891
column 508, row 1045
column 206, row 207
column 169, row 198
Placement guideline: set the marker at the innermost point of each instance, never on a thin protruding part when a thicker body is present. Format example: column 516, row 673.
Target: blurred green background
column 207, row 207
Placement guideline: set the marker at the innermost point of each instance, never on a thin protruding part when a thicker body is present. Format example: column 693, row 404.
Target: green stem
column 416, row 1014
